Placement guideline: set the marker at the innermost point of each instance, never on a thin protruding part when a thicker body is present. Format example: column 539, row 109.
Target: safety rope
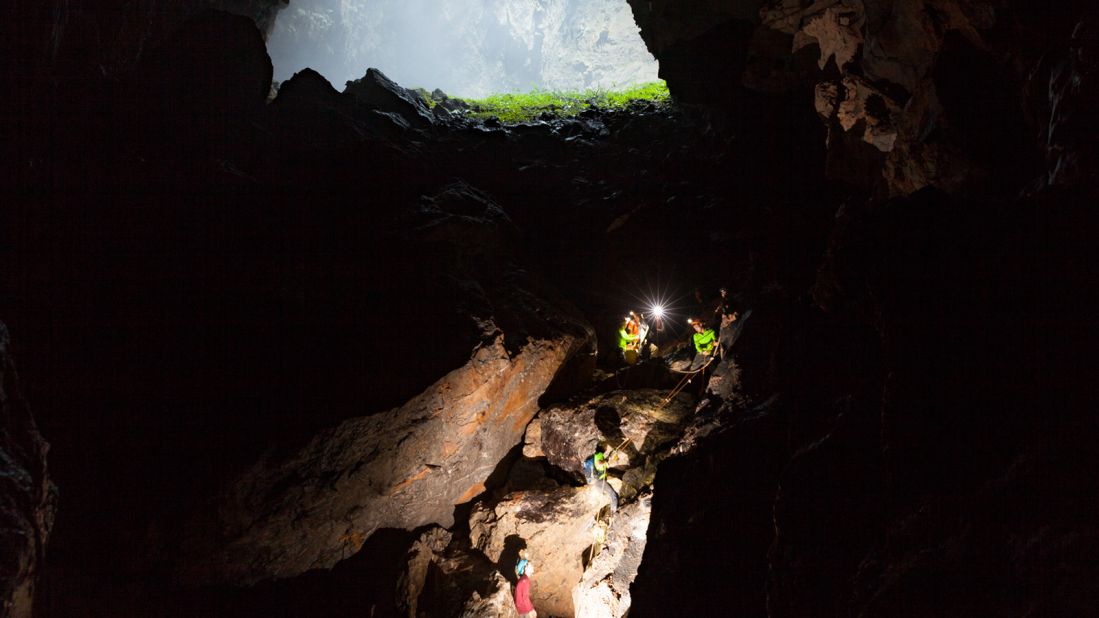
column 687, row 375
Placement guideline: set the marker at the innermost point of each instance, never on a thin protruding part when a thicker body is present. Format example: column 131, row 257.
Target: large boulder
column 27, row 497
column 557, row 528
column 642, row 422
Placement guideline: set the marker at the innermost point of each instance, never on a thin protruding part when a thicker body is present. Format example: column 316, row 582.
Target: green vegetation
column 515, row 108
column 425, row 96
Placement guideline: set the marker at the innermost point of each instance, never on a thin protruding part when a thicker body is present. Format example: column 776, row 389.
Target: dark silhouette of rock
column 28, row 499
column 214, row 69
column 377, row 91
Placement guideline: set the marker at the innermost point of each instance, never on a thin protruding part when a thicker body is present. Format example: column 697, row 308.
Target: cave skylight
column 467, row 48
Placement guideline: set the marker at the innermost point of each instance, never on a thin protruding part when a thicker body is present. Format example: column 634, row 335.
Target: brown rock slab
column 401, row 469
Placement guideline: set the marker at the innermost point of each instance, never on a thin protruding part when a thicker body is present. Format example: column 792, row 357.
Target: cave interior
column 333, row 351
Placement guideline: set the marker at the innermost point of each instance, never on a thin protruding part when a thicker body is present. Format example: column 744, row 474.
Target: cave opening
column 466, row 48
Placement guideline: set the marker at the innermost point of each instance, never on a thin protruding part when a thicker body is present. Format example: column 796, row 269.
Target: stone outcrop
column 380, row 93
column 712, row 518
column 28, row 499
column 887, row 93
column 404, row 468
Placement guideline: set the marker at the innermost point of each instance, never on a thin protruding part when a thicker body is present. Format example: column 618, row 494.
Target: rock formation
column 28, row 500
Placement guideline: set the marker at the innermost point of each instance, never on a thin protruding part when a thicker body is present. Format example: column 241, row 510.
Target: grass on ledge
column 516, row 108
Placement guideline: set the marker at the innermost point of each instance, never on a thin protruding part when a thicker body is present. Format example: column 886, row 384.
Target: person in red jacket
column 522, row 594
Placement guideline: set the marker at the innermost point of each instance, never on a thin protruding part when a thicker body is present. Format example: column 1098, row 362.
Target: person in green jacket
column 628, row 338
column 595, row 471
column 705, row 341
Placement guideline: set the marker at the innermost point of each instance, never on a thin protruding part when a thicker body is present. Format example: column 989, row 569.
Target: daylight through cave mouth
column 467, row 48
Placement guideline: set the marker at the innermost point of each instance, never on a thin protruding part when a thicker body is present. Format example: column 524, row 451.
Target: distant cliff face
column 465, row 47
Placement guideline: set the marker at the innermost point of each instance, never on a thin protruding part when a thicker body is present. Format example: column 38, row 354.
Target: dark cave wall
column 74, row 37
column 910, row 484
column 914, row 93
column 27, row 496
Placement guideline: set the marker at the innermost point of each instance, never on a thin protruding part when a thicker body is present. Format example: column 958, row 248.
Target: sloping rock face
column 411, row 465
column 404, row 468
column 28, row 499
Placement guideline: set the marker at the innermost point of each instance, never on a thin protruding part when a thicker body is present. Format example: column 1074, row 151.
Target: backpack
column 589, row 469
column 521, row 565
